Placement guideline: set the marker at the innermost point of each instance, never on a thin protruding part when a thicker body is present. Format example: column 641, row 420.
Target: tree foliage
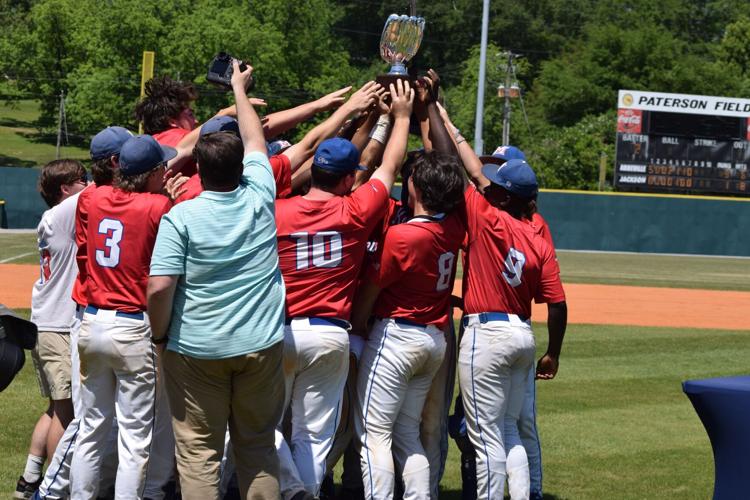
column 575, row 56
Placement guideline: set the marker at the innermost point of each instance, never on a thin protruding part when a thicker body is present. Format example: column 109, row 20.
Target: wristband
column 158, row 341
column 460, row 139
column 380, row 130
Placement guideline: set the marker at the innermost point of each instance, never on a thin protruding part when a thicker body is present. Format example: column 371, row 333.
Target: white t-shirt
column 52, row 308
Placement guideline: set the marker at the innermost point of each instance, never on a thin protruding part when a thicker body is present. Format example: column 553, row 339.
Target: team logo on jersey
column 514, row 263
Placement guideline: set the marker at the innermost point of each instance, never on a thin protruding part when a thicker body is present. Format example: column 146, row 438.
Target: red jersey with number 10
column 417, row 268
column 321, row 246
column 507, row 263
column 120, row 236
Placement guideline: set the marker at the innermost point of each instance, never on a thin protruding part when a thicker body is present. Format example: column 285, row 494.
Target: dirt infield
column 592, row 304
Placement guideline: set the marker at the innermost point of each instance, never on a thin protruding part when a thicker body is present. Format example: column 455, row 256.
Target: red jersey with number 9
column 120, row 236
column 417, row 268
column 321, row 247
column 507, row 263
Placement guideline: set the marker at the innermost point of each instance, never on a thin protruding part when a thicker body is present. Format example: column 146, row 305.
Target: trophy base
column 387, row 79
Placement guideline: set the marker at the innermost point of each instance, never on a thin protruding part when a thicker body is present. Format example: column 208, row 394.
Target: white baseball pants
column 494, row 363
column 529, row 434
column 397, row 369
column 118, row 380
column 434, row 428
column 316, row 361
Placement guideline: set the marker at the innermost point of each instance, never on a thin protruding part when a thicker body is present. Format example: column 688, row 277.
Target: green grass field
column 22, row 144
column 614, row 423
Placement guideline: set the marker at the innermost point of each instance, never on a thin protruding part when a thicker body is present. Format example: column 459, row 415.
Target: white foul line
column 16, row 257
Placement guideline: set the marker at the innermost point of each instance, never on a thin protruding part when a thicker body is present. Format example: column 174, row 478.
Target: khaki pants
column 246, row 392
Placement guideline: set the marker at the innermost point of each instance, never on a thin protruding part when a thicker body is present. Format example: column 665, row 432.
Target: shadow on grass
column 11, row 161
column 8, row 121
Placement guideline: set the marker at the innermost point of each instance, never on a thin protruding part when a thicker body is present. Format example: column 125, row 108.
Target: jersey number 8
column 326, row 249
column 445, row 271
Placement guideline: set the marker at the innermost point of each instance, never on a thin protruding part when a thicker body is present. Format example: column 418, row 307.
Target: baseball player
column 104, row 150
column 412, row 283
column 118, row 362
column 322, row 238
column 52, row 310
column 507, row 266
column 527, row 421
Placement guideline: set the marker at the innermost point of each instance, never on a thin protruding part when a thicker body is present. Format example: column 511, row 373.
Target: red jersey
column 417, row 268
column 120, row 237
column 321, row 246
column 172, row 137
column 507, row 264
column 82, row 215
column 282, row 173
column 541, row 228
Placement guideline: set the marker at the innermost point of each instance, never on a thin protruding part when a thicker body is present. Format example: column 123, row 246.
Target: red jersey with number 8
column 507, row 263
column 417, row 268
column 120, row 236
column 321, row 247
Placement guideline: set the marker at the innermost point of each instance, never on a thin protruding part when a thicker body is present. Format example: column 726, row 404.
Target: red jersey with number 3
column 282, row 173
column 121, row 232
column 507, row 264
column 417, row 268
column 321, row 247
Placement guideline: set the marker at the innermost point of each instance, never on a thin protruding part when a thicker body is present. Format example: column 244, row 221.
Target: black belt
column 122, row 314
column 339, row 323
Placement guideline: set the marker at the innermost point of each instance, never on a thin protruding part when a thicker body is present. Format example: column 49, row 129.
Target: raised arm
column 438, row 133
column 358, row 102
column 402, row 101
column 251, row 131
column 281, row 121
column 469, row 158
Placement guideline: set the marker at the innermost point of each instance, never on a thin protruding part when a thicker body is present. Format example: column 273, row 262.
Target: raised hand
column 334, row 99
column 363, row 98
column 241, row 79
column 402, row 99
column 173, row 186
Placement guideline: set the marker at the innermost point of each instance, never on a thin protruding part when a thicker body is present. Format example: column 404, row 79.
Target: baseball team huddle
column 222, row 315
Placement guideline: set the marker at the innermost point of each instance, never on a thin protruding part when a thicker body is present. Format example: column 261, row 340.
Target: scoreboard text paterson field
column 681, row 143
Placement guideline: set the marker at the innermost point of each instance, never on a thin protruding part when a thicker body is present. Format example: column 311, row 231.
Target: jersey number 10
column 326, row 249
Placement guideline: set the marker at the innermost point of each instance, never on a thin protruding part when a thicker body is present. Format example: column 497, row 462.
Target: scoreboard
column 681, row 143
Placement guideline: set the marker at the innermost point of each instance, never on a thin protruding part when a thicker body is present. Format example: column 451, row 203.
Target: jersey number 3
column 110, row 256
column 514, row 263
column 326, row 249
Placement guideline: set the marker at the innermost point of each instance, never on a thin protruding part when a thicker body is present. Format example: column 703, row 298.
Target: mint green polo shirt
column 230, row 295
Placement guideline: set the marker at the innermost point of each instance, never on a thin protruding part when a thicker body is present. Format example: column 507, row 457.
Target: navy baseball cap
column 108, row 142
column 515, row 176
column 337, row 155
column 503, row 154
column 142, row 153
column 220, row 124
column 277, row 147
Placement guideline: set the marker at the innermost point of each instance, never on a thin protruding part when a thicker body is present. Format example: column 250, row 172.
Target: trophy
column 399, row 42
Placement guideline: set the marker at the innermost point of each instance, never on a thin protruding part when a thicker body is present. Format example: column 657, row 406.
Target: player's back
column 418, row 267
column 507, row 264
column 120, row 236
column 321, row 245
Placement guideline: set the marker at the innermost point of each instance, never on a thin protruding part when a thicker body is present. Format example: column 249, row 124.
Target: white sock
column 33, row 470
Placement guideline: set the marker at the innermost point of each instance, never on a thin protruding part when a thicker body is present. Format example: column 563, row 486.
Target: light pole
column 478, row 142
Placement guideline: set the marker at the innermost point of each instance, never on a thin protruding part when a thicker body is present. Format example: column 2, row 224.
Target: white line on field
column 16, row 257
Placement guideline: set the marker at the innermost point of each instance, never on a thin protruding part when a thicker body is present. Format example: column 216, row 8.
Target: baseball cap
column 276, row 147
column 337, row 155
column 220, row 124
column 108, row 142
column 142, row 153
column 503, row 154
column 514, row 175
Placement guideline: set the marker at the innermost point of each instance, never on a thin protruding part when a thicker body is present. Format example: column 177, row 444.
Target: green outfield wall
column 626, row 222
column 579, row 220
column 23, row 206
